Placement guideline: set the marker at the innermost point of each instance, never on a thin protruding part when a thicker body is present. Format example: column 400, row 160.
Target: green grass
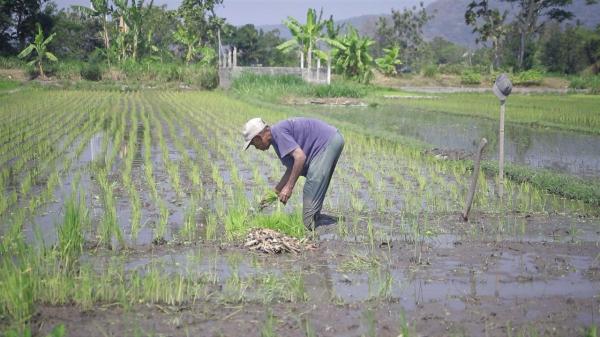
column 275, row 87
column 565, row 185
column 289, row 224
column 575, row 112
column 586, row 82
column 70, row 232
column 8, row 84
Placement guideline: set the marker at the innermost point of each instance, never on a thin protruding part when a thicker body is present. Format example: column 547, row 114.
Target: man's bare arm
column 299, row 160
column 283, row 180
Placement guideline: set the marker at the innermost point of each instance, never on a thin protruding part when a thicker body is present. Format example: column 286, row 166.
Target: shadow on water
column 562, row 151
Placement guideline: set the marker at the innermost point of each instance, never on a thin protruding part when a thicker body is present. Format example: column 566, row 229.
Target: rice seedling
column 359, row 262
column 189, row 229
column 380, row 283
column 268, row 326
column 368, row 318
column 17, row 286
column 70, row 231
column 161, row 228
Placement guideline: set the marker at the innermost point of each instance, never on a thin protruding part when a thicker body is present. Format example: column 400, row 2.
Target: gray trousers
column 318, row 177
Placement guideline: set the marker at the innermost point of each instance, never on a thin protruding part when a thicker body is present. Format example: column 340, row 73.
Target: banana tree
column 305, row 36
column 387, row 64
column 99, row 9
column 39, row 45
column 352, row 56
column 189, row 40
column 133, row 15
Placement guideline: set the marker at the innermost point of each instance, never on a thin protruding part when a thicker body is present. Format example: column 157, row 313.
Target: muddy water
column 562, row 151
column 472, row 287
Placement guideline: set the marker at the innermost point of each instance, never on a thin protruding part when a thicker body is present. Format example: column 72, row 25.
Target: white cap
column 252, row 128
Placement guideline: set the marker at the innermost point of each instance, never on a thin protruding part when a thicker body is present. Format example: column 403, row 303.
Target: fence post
column 234, row 56
column 329, row 70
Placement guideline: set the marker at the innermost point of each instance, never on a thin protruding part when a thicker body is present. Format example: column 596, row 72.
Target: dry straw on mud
column 272, row 242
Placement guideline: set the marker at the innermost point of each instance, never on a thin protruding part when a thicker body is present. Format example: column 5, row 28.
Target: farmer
column 306, row 147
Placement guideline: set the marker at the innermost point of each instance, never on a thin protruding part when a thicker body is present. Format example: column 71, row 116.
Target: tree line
column 128, row 32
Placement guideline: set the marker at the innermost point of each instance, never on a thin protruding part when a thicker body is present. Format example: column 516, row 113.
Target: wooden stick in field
column 465, row 214
column 501, row 152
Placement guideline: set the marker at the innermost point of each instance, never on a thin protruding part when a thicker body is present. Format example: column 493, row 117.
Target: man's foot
column 325, row 220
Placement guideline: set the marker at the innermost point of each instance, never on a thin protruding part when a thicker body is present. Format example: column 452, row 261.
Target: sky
column 268, row 12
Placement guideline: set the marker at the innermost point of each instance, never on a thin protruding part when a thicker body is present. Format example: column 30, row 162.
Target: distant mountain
column 449, row 22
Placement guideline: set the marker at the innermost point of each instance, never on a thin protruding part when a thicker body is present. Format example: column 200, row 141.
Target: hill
column 449, row 23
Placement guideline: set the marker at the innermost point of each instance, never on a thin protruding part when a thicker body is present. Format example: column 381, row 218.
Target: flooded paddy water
column 562, row 151
column 163, row 186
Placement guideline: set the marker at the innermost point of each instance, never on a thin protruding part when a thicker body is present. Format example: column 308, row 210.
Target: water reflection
column 562, row 151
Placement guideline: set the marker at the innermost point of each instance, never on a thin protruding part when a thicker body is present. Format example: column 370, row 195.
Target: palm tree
column 306, row 36
column 39, row 45
column 99, row 8
column 352, row 57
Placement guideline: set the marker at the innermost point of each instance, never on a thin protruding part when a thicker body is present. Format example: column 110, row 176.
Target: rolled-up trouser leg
column 318, row 177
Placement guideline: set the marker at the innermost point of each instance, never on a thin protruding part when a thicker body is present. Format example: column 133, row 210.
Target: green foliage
column 430, row 70
column 275, row 87
column 406, row 31
column 39, row 46
column 189, row 40
column 452, row 69
column 205, row 77
column 570, row 50
column 289, row 224
column 488, row 24
column 65, row 70
column 8, row 84
column 338, row 89
column 592, row 331
column 352, row 56
column 586, row 82
column 469, row 77
column 306, row 36
column 560, row 184
column 8, row 62
column 387, row 64
column 445, row 53
column 91, row 71
column 70, row 232
column 527, row 78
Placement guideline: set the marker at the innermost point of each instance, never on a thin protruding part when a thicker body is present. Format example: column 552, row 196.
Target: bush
column 529, row 77
column 452, row 69
column 469, row 77
column 63, row 70
column 11, row 63
column 586, row 82
column 430, row 71
column 207, row 78
column 339, row 89
column 276, row 86
column 91, row 72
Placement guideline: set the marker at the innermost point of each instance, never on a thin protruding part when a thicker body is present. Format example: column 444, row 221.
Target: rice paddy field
column 125, row 213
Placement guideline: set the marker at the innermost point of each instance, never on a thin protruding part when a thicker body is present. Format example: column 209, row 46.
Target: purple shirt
column 311, row 135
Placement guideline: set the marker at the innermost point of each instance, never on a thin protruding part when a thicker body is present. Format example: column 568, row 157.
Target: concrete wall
column 227, row 75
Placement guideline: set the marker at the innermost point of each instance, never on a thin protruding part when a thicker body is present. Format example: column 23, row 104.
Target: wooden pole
column 501, row 152
column 329, row 70
column 465, row 214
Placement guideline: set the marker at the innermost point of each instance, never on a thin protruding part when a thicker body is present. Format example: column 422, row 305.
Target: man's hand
column 285, row 194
